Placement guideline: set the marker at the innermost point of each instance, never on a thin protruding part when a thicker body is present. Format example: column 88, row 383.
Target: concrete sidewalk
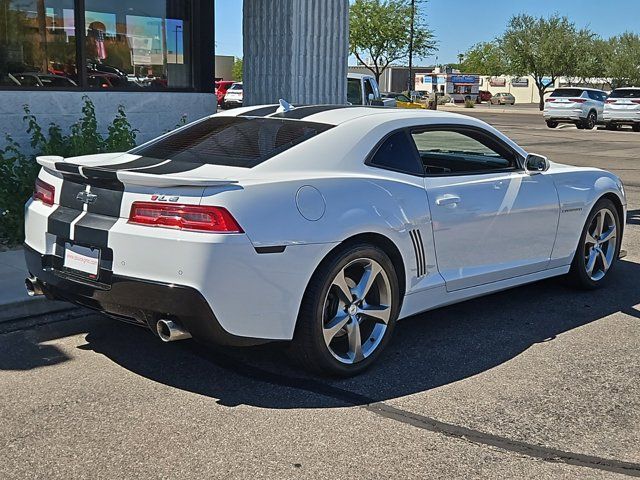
column 15, row 304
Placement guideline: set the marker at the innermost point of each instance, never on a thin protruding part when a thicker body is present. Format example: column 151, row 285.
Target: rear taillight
column 184, row 217
column 549, row 100
column 578, row 100
column 636, row 101
column 44, row 192
column 610, row 101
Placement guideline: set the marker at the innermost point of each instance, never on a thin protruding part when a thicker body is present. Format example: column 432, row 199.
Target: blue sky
column 459, row 24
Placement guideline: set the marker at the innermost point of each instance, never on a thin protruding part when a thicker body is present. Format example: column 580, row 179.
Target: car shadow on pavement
column 428, row 351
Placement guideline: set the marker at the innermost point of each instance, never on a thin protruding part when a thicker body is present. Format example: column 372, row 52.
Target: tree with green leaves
column 380, row 31
column 486, row 58
column 237, row 70
column 545, row 48
column 623, row 60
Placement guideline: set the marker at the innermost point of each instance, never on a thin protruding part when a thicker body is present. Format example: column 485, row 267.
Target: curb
column 519, row 111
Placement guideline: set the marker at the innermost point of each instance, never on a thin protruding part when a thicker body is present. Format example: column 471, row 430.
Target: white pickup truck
column 363, row 89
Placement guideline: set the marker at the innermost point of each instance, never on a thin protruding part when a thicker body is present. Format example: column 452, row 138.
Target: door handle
column 447, row 199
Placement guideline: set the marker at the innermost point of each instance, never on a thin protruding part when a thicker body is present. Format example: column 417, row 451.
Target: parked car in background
column 43, row 80
column 107, row 80
column 502, row 98
column 362, row 89
column 485, row 96
column 221, row 89
column 583, row 107
column 623, row 108
column 234, row 96
column 402, row 101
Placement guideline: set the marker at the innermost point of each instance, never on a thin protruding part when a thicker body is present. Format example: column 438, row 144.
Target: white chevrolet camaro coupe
column 318, row 225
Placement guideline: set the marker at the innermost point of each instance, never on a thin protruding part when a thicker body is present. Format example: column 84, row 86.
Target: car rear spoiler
column 128, row 177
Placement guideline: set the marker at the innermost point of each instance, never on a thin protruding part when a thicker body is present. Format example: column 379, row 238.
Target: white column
column 296, row 50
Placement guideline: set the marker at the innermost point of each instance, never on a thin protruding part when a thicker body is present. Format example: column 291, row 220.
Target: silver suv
column 582, row 106
column 623, row 108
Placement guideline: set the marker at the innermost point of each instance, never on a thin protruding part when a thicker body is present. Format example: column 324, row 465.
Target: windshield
column 231, row 141
column 567, row 92
column 626, row 93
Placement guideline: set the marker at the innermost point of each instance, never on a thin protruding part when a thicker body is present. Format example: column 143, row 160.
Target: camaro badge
column 87, row 197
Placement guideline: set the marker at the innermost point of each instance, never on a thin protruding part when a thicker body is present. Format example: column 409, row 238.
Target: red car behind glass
column 221, row 88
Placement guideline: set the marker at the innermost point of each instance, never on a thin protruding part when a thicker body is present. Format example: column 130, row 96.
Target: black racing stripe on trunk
column 260, row 112
column 94, row 230
column 99, row 173
column 173, row 166
column 69, row 194
column 299, row 113
column 108, row 201
column 67, row 167
column 141, row 162
column 59, row 222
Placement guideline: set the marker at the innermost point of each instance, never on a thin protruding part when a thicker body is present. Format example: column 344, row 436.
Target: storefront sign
column 520, row 82
column 464, row 79
column 497, row 81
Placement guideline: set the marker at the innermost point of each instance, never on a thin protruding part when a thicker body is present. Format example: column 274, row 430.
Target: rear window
column 567, row 92
column 626, row 93
column 236, row 86
column 232, row 141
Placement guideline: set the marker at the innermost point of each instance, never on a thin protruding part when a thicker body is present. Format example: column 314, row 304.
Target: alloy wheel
column 600, row 244
column 357, row 310
column 591, row 120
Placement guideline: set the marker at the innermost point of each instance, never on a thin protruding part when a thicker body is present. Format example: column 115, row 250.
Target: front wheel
column 599, row 246
column 348, row 312
column 552, row 124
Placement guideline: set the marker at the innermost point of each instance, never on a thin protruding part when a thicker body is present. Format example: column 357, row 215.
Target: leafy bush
column 468, row 103
column 18, row 170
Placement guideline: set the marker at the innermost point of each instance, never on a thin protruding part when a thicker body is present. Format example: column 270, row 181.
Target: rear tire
column 591, row 120
column 636, row 127
column 612, row 126
column 341, row 336
column 599, row 247
column 552, row 124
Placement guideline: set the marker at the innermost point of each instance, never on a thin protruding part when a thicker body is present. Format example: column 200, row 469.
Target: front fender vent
column 418, row 248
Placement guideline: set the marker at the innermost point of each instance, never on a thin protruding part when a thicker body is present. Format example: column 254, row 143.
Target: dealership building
column 157, row 58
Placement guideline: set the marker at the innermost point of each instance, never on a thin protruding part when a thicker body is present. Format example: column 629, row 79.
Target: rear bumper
column 622, row 117
column 135, row 300
column 565, row 115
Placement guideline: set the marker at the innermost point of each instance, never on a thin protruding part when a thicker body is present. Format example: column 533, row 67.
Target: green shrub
column 468, row 103
column 18, row 171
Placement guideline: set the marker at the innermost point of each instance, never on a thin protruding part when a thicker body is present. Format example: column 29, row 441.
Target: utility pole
column 413, row 16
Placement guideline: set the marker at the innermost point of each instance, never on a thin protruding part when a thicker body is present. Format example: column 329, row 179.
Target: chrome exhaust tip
column 171, row 331
column 33, row 286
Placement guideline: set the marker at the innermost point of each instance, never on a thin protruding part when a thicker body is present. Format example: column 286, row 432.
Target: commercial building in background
column 458, row 86
column 156, row 58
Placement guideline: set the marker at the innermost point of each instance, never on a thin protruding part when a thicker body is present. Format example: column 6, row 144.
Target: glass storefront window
column 137, row 44
column 37, row 44
column 124, row 45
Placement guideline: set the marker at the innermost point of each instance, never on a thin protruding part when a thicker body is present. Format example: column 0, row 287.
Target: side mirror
column 536, row 164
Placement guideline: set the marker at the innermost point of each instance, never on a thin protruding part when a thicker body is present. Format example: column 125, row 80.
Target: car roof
column 339, row 114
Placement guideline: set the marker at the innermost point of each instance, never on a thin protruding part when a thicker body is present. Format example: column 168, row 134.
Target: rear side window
column 232, row 141
column 626, row 93
column 397, row 153
column 567, row 92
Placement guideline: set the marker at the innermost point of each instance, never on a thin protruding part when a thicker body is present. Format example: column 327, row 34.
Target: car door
column 491, row 220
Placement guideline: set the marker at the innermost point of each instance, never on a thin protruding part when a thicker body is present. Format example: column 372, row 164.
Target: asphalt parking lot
column 536, row 382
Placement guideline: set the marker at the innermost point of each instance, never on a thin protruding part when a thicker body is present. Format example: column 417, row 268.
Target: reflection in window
column 141, row 44
column 37, row 44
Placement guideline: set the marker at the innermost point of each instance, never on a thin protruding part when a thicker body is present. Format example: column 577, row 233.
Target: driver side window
column 449, row 151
